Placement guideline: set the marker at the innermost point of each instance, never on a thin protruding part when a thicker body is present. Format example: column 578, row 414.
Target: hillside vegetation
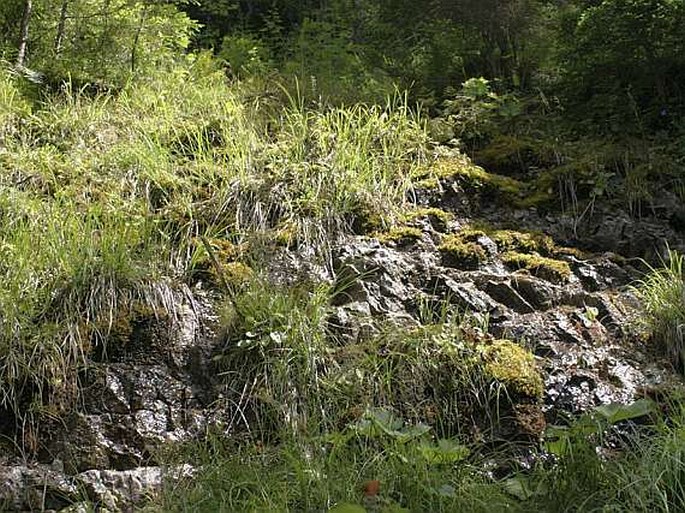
column 155, row 151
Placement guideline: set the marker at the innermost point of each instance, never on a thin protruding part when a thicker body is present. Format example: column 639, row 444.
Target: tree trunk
column 60, row 27
column 134, row 48
column 24, row 33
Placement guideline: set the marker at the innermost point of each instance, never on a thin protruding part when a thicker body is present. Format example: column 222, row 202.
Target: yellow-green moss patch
column 503, row 184
column 564, row 250
column 237, row 274
column 401, row 235
column 366, row 219
column 460, row 253
column 224, row 250
column 437, row 213
column 546, row 268
column 525, row 242
column 523, row 194
column 514, row 367
column 455, row 166
column 448, row 167
column 471, row 234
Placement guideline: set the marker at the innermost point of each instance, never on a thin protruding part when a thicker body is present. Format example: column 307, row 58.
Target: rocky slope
column 510, row 268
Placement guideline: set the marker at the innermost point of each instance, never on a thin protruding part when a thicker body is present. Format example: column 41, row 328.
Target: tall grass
column 66, row 274
column 663, row 293
column 415, row 471
column 103, row 200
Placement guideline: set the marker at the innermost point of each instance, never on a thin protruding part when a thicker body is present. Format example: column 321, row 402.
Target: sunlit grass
column 103, row 200
column 663, row 294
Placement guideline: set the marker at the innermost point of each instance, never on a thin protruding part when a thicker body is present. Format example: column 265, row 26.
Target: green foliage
column 326, row 65
column 663, row 295
column 246, row 55
column 90, row 41
column 13, row 106
column 476, row 113
column 623, row 60
column 378, row 463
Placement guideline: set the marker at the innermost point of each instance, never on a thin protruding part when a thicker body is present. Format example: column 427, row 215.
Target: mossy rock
column 227, row 267
column 568, row 251
column 443, row 169
column 438, row 218
column 400, row 235
column 460, row 253
column 540, row 192
column 504, row 186
column 472, row 234
column 237, row 274
column 366, row 219
column 546, row 268
column 514, row 367
column 132, row 329
column 510, row 155
column 523, row 242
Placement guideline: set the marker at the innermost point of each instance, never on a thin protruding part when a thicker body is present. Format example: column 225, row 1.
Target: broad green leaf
column 615, row 412
column 518, row 487
column 446, row 451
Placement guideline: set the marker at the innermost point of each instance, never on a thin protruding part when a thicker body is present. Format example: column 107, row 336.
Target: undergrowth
column 105, row 200
column 599, row 462
column 284, row 367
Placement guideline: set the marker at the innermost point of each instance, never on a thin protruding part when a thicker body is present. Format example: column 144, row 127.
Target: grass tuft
column 662, row 292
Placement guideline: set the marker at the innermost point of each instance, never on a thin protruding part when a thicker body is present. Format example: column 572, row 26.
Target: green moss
column 228, row 269
column 428, row 183
column 113, row 336
column 366, row 219
column 447, row 168
column 522, row 194
column 461, row 253
column 471, row 234
column 237, row 274
column 514, row 367
column 505, row 151
column 437, row 213
column 227, row 251
column 450, row 167
column 502, row 184
column 525, row 242
column 401, row 235
column 546, row 268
